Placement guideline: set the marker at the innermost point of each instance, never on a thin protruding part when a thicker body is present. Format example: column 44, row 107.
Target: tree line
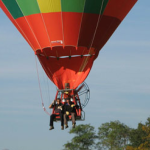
column 112, row 135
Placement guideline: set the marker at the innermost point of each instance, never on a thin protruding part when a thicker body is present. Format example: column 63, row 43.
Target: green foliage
column 140, row 137
column 148, row 122
column 136, row 136
column 84, row 138
column 113, row 136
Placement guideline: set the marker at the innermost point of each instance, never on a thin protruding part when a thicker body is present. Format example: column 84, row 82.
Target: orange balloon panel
column 64, row 69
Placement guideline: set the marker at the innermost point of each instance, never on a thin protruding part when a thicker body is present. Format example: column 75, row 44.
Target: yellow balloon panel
column 47, row 6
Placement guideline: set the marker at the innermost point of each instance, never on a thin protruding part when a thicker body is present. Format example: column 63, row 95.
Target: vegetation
column 140, row 137
column 84, row 138
column 112, row 135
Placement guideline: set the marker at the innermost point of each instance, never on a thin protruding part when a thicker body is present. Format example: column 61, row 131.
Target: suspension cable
column 40, row 88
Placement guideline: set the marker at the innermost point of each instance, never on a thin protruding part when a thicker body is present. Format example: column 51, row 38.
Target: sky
column 119, row 85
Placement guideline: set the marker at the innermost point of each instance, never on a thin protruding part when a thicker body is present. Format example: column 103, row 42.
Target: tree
column 148, row 122
column 84, row 138
column 145, row 140
column 140, row 137
column 136, row 136
column 113, row 136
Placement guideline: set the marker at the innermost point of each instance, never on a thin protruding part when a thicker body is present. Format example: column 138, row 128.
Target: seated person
column 69, row 108
column 58, row 108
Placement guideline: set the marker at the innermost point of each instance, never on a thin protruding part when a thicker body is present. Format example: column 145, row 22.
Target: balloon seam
column 29, row 25
column 44, row 24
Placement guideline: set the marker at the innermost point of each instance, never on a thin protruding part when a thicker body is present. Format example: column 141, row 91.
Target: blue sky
column 119, row 82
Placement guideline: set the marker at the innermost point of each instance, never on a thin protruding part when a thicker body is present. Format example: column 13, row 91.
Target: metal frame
column 75, row 94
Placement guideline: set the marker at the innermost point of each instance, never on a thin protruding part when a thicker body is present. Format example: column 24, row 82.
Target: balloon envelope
column 66, row 35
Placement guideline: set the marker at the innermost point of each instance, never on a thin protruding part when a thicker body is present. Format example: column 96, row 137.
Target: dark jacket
column 56, row 109
column 69, row 108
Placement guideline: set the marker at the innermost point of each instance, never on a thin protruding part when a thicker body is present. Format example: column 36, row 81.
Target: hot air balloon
column 67, row 35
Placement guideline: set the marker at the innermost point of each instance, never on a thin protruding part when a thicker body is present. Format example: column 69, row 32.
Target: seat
column 78, row 115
